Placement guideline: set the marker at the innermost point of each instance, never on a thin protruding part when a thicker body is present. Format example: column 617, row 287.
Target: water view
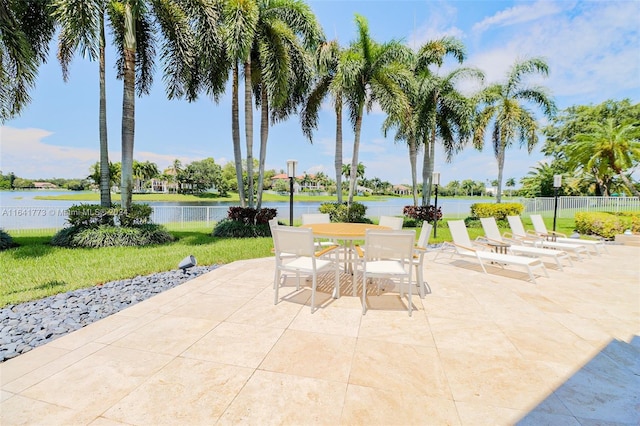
column 22, row 210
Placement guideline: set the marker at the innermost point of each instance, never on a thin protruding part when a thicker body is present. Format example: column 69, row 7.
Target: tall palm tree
column 134, row 24
column 82, row 29
column 240, row 19
column 503, row 105
column 26, row 27
column 371, row 72
column 442, row 112
column 608, row 146
column 285, row 33
column 327, row 57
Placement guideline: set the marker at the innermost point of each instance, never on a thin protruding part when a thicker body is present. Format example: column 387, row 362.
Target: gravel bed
column 31, row 324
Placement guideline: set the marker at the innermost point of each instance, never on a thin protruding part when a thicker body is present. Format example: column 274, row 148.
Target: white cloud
column 26, row 154
column 521, row 14
column 441, row 16
column 591, row 51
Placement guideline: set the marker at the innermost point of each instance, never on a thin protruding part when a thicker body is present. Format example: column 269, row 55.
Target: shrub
column 86, row 215
column 340, row 212
column 500, row 210
column 603, row 224
column 250, row 215
column 91, row 215
column 112, row 236
column 421, row 213
column 5, row 240
column 138, row 214
column 237, row 229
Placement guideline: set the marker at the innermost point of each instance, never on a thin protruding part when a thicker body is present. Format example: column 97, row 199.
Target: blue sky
column 592, row 48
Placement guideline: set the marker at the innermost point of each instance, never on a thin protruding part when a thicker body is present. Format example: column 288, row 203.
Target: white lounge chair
column 463, row 246
column 492, row 234
column 541, row 229
column 518, row 232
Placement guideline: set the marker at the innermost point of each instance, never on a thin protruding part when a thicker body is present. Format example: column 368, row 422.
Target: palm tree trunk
column 338, row 157
column 264, row 136
column 354, row 160
column 105, row 179
column 413, row 158
column 500, row 158
column 427, row 169
column 128, row 107
column 235, row 134
column 248, row 129
column 628, row 183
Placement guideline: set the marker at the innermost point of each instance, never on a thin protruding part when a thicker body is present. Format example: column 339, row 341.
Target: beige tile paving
column 478, row 350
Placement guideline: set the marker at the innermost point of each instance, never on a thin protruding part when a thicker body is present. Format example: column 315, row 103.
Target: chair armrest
column 463, row 247
column 325, row 251
column 557, row 234
column 420, row 249
column 359, row 251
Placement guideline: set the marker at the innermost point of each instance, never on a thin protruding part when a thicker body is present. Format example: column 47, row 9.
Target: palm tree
column 134, row 23
column 25, row 31
column 607, row 146
column 443, row 112
column 327, row 57
column 510, row 183
column 501, row 104
column 82, row 28
column 285, row 32
column 371, row 72
column 240, row 19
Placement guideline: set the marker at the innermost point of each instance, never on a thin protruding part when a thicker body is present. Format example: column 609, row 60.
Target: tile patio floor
column 479, row 350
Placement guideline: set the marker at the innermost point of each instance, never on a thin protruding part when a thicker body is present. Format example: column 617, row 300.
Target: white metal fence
column 28, row 219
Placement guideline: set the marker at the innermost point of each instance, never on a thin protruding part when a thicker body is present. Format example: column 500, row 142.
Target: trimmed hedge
column 606, row 225
column 498, row 210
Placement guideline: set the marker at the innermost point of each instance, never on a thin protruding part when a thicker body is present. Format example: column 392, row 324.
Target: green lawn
column 36, row 269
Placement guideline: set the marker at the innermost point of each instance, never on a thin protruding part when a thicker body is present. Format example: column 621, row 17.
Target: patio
column 479, row 350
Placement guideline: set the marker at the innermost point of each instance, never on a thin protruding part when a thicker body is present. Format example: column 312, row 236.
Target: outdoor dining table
column 346, row 232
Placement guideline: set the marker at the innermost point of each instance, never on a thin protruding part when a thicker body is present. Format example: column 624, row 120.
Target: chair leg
column 410, row 302
column 313, row 292
column 364, row 293
column 276, row 286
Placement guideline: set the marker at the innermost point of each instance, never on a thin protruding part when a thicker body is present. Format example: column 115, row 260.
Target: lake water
column 21, row 210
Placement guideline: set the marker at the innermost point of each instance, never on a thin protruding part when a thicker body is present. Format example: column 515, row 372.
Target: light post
column 557, row 183
column 435, row 178
column 291, row 173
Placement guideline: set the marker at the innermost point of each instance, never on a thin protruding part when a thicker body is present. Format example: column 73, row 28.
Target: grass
column 36, row 269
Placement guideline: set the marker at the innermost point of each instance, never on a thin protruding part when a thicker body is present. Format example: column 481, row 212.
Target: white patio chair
column 541, row 229
column 387, row 254
column 518, row 232
column 463, row 246
column 392, row 222
column 492, row 234
column 417, row 260
column 308, row 218
column 299, row 243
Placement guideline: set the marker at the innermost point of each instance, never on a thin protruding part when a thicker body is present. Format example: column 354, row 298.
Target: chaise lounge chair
column 463, row 246
column 541, row 229
column 492, row 234
column 518, row 233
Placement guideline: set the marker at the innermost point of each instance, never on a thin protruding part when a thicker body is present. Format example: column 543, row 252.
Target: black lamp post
column 557, row 183
column 291, row 173
column 435, row 178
